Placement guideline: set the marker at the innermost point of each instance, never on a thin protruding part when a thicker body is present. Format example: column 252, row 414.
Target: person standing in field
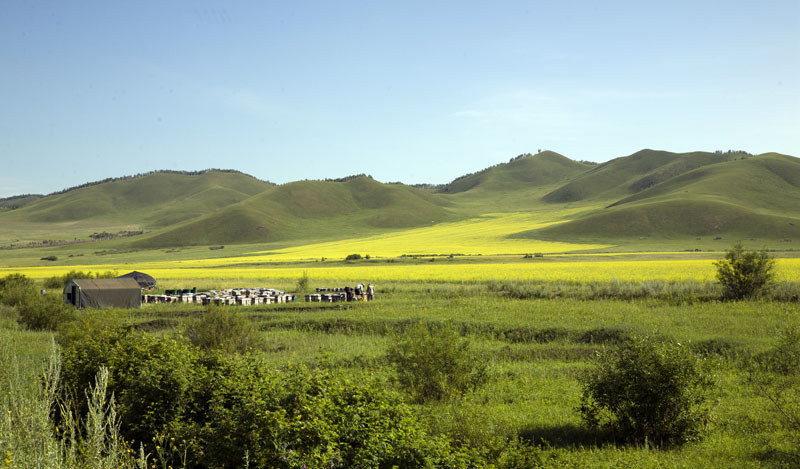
column 370, row 292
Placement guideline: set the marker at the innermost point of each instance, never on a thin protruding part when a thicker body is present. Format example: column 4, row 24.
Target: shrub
column 352, row 257
column 776, row 378
column 211, row 409
column 49, row 258
column 745, row 274
column 14, row 288
column 44, row 312
column 435, row 364
column 647, row 392
column 222, row 328
column 303, row 284
column 154, row 379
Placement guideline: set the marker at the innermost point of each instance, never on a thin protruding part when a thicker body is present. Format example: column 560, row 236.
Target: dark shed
column 145, row 281
column 103, row 293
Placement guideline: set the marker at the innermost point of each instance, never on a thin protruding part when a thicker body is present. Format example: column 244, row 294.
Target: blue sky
column 402, row 90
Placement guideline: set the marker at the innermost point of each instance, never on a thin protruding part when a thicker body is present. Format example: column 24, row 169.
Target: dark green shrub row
column 58, row 281
column 216, row 408
column 511, row 334
column 34, row 310
column 687, row 291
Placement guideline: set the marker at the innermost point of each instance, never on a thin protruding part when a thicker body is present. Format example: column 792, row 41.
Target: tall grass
column 29, row 436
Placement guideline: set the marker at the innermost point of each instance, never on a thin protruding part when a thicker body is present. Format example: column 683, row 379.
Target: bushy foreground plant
column 210, row 409
column 776, row 378
column 223, row 328
column 647, row 392
column 44, row 312
column 28, row 436
column 14, row 288
column 33, row 310
column 745, row 274
column 434, row 363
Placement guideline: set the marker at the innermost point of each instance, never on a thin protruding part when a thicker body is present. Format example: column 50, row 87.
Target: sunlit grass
column 487, row 235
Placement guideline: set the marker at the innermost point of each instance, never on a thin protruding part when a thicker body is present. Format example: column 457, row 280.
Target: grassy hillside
column 522, row 172
column 621, row 177
column 648, row 195
column 17, row 201
column 672, row 219
column 756, row 197
column 148, row 199
column 311, row 210
column 147, row 202
column 766, row 183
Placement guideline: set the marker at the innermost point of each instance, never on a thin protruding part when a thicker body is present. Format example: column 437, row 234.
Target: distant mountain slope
column 527, row 170
column 769, row 182
column 654, row 194
column 672, row 219
column 18, row 201
column 754, row 197
column 628, row 175
column 311, row 210
column 154, row 200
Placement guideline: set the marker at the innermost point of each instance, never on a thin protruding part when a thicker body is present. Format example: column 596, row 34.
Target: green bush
column 14, row 288
column 223, row 328
column 352, row 257
column 214, row 409
column 296, row 417
column 775, row 377
column 304, row 284
column 44, row 312
column 745, row 274
column 647, row 392
column 432, row 364
column 154, row 379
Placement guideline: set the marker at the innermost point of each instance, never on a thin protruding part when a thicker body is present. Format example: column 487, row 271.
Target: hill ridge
column 651, row 191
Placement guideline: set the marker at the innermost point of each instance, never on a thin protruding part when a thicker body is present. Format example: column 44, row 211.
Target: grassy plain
column 448, row 271
column 537, row 351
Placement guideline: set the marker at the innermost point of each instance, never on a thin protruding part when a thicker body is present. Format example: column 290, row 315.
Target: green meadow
column 537, row 350
column 532, row 272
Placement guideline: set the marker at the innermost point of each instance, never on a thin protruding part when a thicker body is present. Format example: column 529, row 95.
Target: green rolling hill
column 154, row 200
column 652, row 194
column 739, row 197
column 525, row 171
column 631, row 174
column 309, row 210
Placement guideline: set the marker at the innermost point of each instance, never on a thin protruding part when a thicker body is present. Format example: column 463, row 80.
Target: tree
column 647, row 392
column 745, row 274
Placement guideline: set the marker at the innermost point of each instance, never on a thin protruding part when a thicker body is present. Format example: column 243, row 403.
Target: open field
column 537, row 351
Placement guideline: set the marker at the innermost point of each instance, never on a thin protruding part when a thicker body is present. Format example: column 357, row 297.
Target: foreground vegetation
column 338, row 385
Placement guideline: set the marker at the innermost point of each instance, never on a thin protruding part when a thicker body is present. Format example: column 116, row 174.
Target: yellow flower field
column 487, row 235
column 440, row 271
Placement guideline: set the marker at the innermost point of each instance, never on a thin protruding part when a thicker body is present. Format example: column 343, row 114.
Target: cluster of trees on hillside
column 348, row 178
